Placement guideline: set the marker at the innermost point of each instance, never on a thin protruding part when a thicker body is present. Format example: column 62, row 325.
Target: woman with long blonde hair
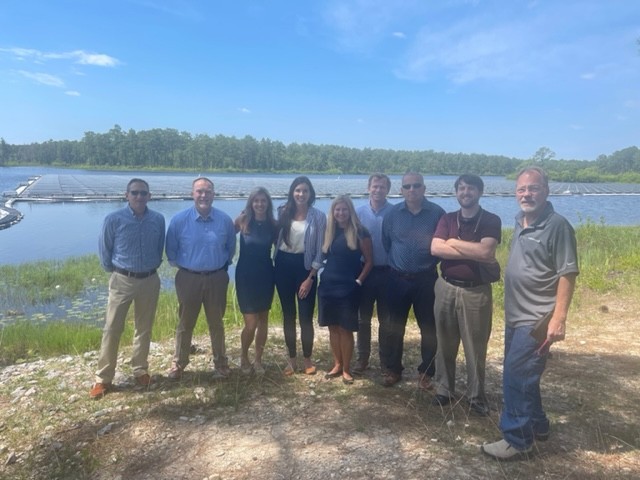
column 346, row 245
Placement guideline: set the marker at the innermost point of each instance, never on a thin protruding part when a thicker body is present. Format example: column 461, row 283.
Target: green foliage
column 168, row 149
column 41, row 282
column 609, row 262
column 26, row 340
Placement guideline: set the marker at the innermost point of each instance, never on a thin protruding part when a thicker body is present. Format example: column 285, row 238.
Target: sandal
column 288, row 371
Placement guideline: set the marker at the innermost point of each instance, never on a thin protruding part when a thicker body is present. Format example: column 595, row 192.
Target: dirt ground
column 307, row 427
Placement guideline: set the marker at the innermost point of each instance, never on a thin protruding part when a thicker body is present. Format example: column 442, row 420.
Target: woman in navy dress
column 346, row 245
column 254, row 274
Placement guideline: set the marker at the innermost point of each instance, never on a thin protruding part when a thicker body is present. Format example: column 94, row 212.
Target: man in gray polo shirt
column 538, row 286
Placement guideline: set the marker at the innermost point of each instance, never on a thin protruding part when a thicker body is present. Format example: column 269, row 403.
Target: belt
column 462, row 283
column 413, row 275
column 202, row 272
column 129, row 274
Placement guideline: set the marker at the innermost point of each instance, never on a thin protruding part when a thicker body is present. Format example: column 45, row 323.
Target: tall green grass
column 609, row 262
column 44, row 281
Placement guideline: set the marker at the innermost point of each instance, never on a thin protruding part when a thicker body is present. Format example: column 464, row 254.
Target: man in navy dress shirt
column 130, row 247
column 201, row 242
column 407, row 231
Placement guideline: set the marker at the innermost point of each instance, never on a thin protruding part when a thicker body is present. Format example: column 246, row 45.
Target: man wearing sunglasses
column 130, row 247
column 407, row 231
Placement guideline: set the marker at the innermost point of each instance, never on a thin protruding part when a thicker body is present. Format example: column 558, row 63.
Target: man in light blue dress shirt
column 130, row 247
column 374, row 288
column 201, row 242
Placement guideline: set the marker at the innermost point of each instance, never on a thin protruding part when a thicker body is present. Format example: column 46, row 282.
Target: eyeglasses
column 531, row 188
column 142, row 193
column 415, row 186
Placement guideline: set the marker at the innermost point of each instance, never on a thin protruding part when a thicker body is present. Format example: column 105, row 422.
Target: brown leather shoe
column 99, row 390
column 424, row 382
column 145, row 380
column 390, row 379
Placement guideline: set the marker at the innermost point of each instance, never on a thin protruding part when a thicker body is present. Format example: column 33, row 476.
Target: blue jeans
column 522, row 415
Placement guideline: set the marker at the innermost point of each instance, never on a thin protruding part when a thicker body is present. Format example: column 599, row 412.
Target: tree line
column 169, row 149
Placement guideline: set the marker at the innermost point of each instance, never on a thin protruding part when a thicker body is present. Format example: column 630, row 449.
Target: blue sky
column 474, row 76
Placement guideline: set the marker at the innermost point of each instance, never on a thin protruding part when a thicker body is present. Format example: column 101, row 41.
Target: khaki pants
column 462, row 314
column 123, row 291
column 195, row 291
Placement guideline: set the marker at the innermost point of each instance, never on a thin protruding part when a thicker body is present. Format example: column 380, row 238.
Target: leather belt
column 462, row 283
column 202, row 272
column 413, row 275
column 129, row 274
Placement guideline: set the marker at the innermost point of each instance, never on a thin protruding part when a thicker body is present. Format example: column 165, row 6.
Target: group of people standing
column 380, row 254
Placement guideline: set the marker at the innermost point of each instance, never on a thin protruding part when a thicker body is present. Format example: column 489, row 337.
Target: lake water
column 61, row 230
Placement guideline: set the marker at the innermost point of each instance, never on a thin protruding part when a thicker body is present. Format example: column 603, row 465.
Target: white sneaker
column 502, row 450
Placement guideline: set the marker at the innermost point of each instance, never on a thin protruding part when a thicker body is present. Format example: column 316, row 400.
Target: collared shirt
column 483, row 224
column 313, row 239
column 540, row 254
column 372, row 220
column 201, row 243
column 131, row 243
column 407, row 237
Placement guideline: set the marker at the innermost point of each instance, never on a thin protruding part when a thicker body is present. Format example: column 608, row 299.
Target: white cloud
column 77, row 56
column 466, row 52
column 359, row 25
column 85, row 58
column 244, row 110
column 399, row 35
column 576, row 127
column 43, row 78
column 588, row 76
column 72, row 93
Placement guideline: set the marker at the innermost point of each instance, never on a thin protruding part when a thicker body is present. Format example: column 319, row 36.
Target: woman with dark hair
column 346, row 244
column 254, row 274
column 298, row 257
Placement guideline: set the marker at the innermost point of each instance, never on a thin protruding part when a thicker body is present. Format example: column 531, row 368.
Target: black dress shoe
column 479, row 408
column 541, row 436
column 441, row 400
column 330, row 375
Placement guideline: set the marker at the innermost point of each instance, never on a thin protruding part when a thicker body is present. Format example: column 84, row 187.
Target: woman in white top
column 298, row 257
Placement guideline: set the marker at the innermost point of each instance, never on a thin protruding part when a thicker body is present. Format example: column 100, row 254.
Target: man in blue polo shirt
column 407, row 231
column 130, row 247
column 201, row 242
column 538, row 287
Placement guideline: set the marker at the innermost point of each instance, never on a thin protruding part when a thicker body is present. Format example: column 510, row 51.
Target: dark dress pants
column 406, row 291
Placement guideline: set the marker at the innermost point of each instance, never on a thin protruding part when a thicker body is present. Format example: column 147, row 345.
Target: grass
column 41, row 282
column 590, row 391
column 609, row 262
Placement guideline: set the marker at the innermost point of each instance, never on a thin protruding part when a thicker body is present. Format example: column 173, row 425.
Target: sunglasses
column 142, row 193
column 415, row 186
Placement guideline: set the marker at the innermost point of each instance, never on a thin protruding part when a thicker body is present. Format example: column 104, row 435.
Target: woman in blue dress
column 349, row 258
column 254, row 274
